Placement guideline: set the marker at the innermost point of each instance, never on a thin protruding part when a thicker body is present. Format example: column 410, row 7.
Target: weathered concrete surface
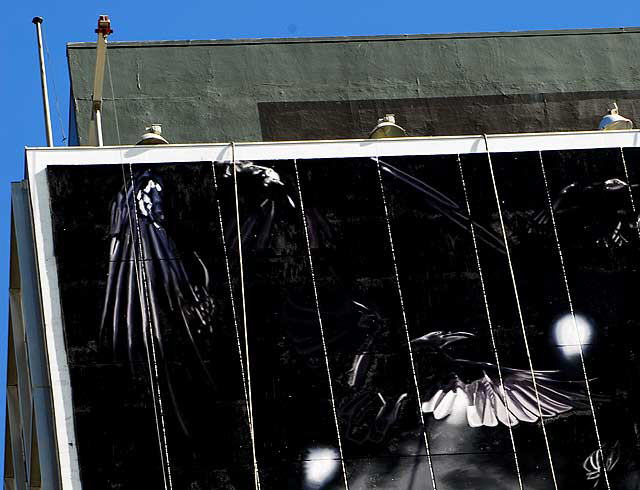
column 252, row 90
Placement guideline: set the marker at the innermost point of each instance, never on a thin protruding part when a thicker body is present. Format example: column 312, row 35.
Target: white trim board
column 54, row 331
column 38, row 159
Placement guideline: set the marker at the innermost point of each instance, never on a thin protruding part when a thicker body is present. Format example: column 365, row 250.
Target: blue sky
column 21, row 123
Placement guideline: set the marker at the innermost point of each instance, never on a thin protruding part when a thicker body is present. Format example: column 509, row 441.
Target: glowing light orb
column 570, row 334
column 320, row 466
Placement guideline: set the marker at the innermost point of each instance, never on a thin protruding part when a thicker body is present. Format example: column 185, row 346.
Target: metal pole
column 98, row 115
column 43, row 77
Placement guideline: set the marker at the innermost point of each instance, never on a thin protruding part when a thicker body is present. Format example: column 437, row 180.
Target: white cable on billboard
column 158, row 408
column 322, row 336
column 244, row 313
column 245, row 387
column 573, row 317
column 626, row 174
column 489, row 321
column 520, row 316
column 406, row 325
column 141, row 277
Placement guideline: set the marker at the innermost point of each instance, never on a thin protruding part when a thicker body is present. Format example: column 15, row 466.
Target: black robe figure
column 151, row 299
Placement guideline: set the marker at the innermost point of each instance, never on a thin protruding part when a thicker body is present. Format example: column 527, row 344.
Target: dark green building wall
column 331, row 88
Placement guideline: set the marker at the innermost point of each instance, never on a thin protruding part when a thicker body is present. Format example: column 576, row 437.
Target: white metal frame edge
column 39, row 158
column 220, row 152
column 53, row 330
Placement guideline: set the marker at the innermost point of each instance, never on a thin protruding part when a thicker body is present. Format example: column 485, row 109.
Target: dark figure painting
column 148, row 278
column 439, row 322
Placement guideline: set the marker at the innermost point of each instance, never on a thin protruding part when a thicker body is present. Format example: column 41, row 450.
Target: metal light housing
column 152, row 136
column 387, row 128
column 614, row 121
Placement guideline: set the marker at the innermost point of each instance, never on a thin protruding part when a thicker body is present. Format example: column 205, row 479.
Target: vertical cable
column 406, row 325
column 113, row 97
column 626, row 175
column 141, row 276
column 322, row 337
column 237, row 332
column 521, row 318
column 488, row 313
column 573, row 316
column 141, row 272
column 633, row 207
column 55, row 90
column 244, row 313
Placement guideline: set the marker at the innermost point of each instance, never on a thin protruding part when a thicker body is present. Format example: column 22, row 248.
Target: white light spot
column 320, row 466
column 570, row 334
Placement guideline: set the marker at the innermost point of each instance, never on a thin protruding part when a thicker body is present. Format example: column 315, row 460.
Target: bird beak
column 614, row 184
column 450, row 338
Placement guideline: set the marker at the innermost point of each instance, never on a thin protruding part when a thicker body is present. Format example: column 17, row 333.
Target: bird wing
column 142, row 254
column 257, row 227
column 489, row 402
column 443, row 204
column 152, row 294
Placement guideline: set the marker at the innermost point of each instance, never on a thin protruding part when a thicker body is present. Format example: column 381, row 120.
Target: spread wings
column 487, row 403
column 446, row 206
column 280, row 203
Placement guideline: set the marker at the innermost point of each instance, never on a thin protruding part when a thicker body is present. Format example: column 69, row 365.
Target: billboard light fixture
column 387, row 128
column 152, row 136
column 614, row 121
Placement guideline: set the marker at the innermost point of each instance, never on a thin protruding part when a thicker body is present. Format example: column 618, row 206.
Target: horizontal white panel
column 39, row 158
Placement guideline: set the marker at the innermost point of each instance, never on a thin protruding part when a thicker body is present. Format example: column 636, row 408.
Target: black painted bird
column 450, row 384
column 442, row 203
column 272, row 208
column 370, row 408
column 596, row 214
column 279, row 202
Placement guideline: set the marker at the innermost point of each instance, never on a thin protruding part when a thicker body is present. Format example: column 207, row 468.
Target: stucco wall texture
column 332, row 88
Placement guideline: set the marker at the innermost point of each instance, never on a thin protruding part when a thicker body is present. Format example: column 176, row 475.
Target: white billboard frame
column 38, row 159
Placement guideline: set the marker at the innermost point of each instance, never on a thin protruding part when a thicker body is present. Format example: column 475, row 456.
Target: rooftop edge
column 349, row 39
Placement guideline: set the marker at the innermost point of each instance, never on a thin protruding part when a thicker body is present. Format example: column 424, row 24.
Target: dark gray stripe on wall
column 439, row 116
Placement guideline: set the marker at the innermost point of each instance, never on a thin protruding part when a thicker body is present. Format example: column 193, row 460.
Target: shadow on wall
column 440, row 116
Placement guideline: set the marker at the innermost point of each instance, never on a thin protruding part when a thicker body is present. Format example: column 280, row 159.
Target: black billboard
column 412, row 322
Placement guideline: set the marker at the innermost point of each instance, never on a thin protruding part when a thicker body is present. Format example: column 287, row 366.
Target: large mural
column 441, row 322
